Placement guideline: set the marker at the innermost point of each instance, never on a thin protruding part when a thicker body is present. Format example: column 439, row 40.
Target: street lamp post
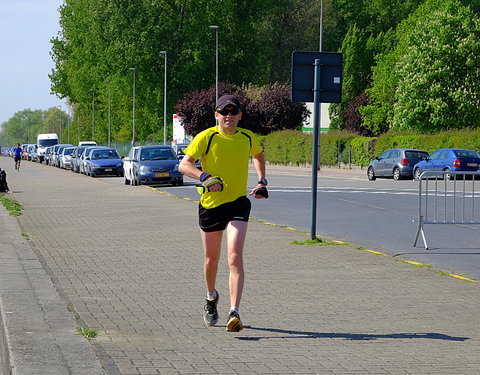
column 215, row 27
column 59, row 133
column 133, row 110
column 93, row 114
column 109, row 125
column 321, row 25
column 164, row 53
column 69, row 119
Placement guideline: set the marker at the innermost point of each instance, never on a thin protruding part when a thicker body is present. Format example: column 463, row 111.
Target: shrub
column 363, row 150
column 269, row 109
column 275, row 111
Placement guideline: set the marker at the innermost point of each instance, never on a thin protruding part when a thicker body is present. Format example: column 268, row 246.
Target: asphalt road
column 376, row 215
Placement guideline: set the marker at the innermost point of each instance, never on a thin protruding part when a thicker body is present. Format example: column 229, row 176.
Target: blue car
column 448, row 160
column 148, row 165
column 103, row 161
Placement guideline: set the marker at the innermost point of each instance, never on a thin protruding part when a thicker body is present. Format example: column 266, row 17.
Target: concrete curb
column 38, row 334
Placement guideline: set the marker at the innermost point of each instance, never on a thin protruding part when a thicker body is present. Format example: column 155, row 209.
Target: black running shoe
column 234, row 323
column 211, row 315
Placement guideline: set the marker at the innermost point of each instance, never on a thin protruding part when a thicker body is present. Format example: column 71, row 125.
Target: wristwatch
column 263, row 181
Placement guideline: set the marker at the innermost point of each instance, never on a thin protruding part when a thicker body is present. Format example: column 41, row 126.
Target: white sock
column 234, row 308
column 212, row 295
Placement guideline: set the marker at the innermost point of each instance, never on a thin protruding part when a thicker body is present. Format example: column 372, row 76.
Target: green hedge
column 292, row 147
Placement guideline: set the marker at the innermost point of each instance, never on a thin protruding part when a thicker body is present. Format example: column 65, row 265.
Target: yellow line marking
column 414, row 263
column 340, row 242
column 376, row 252
column 462, row 278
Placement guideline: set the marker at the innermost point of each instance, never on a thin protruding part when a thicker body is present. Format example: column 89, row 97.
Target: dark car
column 396, row 162
column 448, row 160
column 103, row 161
column 152, row 165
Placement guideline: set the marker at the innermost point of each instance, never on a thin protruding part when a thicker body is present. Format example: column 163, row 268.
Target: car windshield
column 157, row 154
column 68, row 151
column 465, row 154
column 416, row 154
column 47, row 142
column 105, row 154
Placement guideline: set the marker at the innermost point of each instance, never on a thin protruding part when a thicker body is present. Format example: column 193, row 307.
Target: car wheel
column 371, row 174
column 126, row 180
column 417, row 173
column 396, row 174
column 180, row 183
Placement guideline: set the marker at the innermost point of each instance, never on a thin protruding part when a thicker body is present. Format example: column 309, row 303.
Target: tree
column 356, row 72
column 23, row 126
column 353, row 118
column 265, row 109
column 438, row 77
column 429, row 81
column 274, row 110
column 100, row 40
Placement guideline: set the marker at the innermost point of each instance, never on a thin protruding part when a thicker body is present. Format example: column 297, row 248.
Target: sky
column 26, row 27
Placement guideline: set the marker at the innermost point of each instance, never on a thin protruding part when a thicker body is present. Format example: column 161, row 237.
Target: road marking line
column 462, row 278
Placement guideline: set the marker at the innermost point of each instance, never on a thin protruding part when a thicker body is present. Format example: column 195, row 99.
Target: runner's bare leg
column 212, row 242
column 236, row 233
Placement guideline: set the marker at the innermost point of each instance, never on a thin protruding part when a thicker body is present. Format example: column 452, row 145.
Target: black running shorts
column 18, row 158
column 216, row 219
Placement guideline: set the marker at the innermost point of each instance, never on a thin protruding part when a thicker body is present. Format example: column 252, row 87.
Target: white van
column 87, row 143
column 44, row 141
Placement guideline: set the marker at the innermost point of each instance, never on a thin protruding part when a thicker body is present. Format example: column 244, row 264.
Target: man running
column 17, row 156
column 224, row 151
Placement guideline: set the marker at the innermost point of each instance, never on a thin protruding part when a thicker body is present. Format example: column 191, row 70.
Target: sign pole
column 316, row 146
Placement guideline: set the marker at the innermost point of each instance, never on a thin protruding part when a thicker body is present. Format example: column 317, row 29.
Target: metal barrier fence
column 447, row 198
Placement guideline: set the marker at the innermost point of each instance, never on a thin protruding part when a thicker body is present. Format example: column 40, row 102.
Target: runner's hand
column 260, row 191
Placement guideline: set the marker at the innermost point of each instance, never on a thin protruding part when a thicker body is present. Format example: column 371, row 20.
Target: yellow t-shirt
column 226, row 156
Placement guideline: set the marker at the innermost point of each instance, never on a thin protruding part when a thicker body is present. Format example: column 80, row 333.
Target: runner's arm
column 187, row 167
column 259, row 164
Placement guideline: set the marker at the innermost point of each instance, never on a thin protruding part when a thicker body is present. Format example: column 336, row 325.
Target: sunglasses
column 225, row 112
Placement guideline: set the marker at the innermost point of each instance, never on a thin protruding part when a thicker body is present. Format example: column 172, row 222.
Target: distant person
column 224, row 150
column 17, row 155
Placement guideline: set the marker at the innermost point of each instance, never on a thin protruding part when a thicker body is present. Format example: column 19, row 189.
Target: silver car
column 76, row 158
column 396, row 163
column 66, row 157
column 55, row 155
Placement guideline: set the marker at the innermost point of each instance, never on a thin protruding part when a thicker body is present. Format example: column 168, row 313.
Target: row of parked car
column 143, row 165
column 406, row 163
column 29, row 151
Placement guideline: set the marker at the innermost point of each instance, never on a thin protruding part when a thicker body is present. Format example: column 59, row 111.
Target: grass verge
column 315, row 242
column 12, row 206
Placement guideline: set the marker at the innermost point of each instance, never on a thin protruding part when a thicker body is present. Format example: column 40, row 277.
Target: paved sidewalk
column 127, row 262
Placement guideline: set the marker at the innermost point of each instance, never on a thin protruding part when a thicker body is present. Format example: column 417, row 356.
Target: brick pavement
column 127, row 262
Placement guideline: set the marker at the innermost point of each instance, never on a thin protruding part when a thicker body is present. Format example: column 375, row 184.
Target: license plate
column 472, row 164
column 162, row 175
column 108, row 169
